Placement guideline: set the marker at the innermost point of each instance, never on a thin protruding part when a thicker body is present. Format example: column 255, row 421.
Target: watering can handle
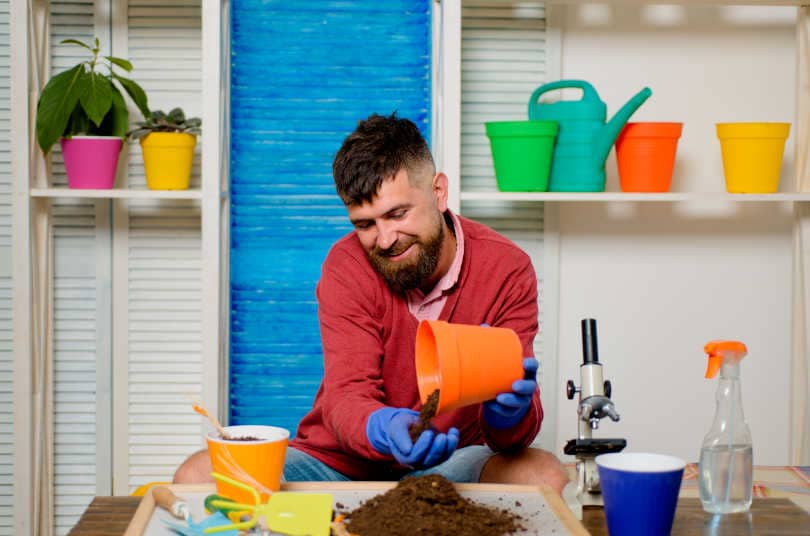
column 588, row 92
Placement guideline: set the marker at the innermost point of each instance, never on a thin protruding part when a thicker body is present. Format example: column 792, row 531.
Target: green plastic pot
column 521, row 154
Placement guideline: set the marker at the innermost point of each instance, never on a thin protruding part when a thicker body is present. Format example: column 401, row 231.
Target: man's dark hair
column 377, row 149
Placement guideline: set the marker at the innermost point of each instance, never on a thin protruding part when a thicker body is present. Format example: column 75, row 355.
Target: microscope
column 594, row 404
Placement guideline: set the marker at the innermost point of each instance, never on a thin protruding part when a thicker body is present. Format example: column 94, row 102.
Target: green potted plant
column 167, row 142
column 84, row 109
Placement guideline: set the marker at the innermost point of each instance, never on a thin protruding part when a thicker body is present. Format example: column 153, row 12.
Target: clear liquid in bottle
column 726, row 475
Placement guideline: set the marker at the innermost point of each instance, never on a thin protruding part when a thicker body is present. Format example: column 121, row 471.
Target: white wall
column 663, row 279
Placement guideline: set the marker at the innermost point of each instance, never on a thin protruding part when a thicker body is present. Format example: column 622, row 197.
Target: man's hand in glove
column 507, row 409
column 387, row 431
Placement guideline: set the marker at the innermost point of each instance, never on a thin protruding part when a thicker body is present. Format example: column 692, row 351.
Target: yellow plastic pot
column 752, row 155
column 167, row 158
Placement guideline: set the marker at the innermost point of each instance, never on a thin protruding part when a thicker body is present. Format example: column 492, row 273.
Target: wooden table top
column 768, row 517
column 106, row 516
column 110, row 516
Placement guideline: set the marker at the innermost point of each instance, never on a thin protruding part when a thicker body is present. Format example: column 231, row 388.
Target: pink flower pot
column 91, row 161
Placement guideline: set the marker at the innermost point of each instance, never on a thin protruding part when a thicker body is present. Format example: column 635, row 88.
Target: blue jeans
column 464, row 465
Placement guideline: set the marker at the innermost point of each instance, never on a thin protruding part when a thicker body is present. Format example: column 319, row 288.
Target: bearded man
column 409, row 258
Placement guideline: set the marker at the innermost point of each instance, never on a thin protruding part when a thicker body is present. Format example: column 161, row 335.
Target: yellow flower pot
column 752, row 155
column 167, row 158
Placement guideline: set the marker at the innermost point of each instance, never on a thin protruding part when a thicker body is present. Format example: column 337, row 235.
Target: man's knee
column 528, row 466
column 195, row 470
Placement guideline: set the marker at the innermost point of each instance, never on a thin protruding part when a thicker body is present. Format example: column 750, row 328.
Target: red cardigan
column 368, row 338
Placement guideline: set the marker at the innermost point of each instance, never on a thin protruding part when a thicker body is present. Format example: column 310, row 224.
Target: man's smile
column 402, row 255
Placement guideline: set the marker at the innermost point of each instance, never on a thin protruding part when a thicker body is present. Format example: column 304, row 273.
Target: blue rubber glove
column 387, row 431
column 507, row 409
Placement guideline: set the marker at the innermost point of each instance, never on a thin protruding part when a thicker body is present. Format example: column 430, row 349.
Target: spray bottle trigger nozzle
column 718, row 350
column 715, row 362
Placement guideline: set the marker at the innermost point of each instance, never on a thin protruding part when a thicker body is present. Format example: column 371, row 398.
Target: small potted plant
column 167, row 142
column 84, row 109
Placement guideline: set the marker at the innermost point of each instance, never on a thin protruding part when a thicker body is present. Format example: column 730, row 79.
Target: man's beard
column 408, row 275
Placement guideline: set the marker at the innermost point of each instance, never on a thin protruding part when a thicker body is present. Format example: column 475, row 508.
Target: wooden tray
column 543, row 511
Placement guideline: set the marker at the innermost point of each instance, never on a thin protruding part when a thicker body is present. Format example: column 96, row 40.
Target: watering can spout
column 608, row 134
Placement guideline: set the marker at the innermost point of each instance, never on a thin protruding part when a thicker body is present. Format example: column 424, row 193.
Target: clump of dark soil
column 427, row 412
column 428, row 505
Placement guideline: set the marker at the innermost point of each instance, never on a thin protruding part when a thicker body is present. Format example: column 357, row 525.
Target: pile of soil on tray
column 427, row 412
column 428, row 505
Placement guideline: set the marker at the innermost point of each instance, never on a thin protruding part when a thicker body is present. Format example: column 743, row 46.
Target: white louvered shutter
column 504, row 50
column 164, row 294
column 6, row 405
column 76, row 309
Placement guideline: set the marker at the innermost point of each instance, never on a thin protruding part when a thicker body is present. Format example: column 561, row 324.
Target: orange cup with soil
column 257, row 462
column 645, row 153
column 468, row 364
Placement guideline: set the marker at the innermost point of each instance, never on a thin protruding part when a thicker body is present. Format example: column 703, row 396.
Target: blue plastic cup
column 640, row 492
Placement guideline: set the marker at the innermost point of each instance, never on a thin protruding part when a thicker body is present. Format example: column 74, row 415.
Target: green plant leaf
column 193, row 122
column 138, row 133
column 135, row 92
column 75, row 42
column 56, row 103
column 124, row 64
column 119, row 116
column 95, row 94
column 78, row 124
column 176, row 115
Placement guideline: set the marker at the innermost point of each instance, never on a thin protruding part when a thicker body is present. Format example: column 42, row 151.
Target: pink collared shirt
column 428, row 307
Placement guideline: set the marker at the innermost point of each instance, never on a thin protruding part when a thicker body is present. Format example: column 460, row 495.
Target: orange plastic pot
column 468, row 364
column 645, row 153
column 259, row 464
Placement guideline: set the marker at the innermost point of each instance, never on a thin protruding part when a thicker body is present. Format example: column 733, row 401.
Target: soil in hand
column 430, row 505
column 427, row 412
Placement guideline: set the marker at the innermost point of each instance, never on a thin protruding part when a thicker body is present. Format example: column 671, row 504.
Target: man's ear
column 440, row 188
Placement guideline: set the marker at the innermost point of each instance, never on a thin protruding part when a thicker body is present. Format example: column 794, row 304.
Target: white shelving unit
column 690, row 199
column 33, row 242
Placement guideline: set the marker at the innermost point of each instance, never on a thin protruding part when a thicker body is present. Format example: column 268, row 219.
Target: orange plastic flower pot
column 468, row 364
column 258, row 464
column 645, row 153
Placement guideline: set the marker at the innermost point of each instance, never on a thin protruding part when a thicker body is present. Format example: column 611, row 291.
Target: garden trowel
column 299, row 513
column 285, row 512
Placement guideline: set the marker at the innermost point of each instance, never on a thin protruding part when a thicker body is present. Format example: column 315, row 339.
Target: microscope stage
column 594, row 446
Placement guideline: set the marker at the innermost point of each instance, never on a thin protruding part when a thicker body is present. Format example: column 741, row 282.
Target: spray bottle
column 725, row 472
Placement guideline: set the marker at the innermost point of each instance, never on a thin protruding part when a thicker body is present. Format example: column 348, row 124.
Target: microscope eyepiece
column 590, row 347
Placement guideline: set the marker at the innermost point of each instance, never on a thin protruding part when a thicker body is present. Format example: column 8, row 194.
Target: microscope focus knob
column 608, row 388
column 570, row 389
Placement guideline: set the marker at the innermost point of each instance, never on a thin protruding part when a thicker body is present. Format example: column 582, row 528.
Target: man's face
column 402, row 229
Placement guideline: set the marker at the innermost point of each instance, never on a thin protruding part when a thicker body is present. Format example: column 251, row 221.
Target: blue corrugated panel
column 302, row 75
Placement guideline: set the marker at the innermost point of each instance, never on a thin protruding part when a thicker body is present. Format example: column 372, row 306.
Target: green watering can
column 584, row 138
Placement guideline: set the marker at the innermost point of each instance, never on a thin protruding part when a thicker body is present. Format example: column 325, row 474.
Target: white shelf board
column 684, row 2
column 621, row 196
column 116, row 193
